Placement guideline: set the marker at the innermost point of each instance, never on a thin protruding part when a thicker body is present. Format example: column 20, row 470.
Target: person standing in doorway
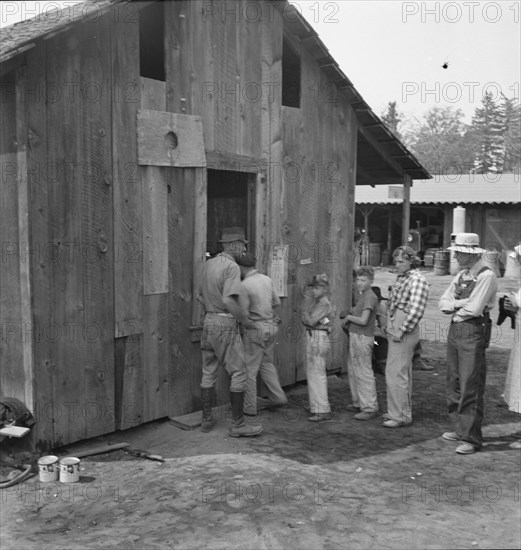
column 221, row 343
column 468, row 300
column 406, row 306
column 260, row 301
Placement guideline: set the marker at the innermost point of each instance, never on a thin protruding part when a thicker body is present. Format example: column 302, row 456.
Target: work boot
column 239, row 427
column 207, row 400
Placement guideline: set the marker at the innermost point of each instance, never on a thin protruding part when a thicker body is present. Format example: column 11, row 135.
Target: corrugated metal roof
column 465, row 188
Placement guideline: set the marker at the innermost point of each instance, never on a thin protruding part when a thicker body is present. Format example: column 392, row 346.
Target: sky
column 396, row 50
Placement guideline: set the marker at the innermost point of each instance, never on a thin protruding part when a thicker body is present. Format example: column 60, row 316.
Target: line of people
column 251, row 305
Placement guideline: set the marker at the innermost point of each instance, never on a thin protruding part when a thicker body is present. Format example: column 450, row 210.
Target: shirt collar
column 226, row 255
column 250, row 273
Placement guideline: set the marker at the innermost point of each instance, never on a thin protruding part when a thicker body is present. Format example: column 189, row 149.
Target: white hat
column 467, row 243
column 517, row 250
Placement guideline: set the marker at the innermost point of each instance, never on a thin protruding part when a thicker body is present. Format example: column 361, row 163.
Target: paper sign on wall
column 278, row 269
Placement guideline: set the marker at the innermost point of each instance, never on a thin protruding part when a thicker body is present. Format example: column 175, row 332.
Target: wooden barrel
column 428, row 258
column 441, row 262
column 375, row 253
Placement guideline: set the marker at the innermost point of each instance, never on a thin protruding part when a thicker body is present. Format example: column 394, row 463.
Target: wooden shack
column 132, row 133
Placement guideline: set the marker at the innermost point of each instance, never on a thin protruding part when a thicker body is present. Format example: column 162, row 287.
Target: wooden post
column 406, row 214
column 389, row 231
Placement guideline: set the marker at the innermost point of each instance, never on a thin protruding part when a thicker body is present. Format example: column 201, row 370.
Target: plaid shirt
column 410, row 293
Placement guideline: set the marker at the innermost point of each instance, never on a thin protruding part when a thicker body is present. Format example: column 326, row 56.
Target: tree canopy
column 444, row 144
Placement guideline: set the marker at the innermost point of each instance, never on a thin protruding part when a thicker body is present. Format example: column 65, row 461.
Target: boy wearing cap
column 260, row 300
column 317, row 313
column 221, row 343
column 469, row 298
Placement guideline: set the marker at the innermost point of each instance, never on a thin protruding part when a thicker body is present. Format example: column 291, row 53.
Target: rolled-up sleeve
column 232, row 281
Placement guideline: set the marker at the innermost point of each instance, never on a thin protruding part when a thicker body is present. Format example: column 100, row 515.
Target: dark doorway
column 231, row 203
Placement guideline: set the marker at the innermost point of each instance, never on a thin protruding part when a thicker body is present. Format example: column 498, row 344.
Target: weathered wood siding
column 305, row 190
column 109, row 293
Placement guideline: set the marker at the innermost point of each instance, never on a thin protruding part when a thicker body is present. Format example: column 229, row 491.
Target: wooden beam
column 406, row 213
column 218, row 160
column 380, row 150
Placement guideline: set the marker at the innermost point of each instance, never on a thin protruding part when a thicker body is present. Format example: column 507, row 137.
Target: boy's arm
column 362, row 320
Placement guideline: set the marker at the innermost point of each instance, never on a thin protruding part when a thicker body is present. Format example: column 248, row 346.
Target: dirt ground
column 338, row 484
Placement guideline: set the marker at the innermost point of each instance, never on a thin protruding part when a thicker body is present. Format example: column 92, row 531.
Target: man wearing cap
column 221, row 343
column 260, row 300
column 469, row 298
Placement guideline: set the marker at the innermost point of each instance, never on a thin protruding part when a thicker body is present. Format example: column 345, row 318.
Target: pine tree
column 488, row 133
column 392, row 118
column 512, row 121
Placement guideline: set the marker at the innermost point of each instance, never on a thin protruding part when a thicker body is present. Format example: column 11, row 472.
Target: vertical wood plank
column 13, row 252
column 200, row 232
column 227, row 81
column 155, row 229
column 155, row 357
column 97, row 230
column 26, row 315
column 42, row 266
column 129, row 380
column 128, row 223
column 184, row 381
column 66, row 312
column 179, row 56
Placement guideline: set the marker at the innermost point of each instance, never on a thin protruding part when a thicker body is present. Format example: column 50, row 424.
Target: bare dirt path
column 338, row 484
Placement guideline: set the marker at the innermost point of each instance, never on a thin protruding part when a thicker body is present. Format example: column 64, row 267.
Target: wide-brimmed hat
column 232, row 234
column 517, row 251
column 319, row 280
column 467, row 243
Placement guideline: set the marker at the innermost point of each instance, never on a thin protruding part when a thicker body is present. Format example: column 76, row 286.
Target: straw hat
column 467, row 243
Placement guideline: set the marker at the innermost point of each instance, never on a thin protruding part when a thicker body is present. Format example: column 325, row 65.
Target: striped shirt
column 410, row 293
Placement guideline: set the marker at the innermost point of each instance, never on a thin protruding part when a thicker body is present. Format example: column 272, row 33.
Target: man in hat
column 469, row 298
column 221, row 343
column 259, row 341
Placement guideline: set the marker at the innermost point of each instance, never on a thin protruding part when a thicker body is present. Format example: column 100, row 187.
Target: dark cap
column 319, row 280
column 246, row 260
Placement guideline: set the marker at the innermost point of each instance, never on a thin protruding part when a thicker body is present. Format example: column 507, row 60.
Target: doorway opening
column 231, row 203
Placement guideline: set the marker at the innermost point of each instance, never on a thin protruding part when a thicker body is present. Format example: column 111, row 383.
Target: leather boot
column 239, row 427
column 207, row 400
